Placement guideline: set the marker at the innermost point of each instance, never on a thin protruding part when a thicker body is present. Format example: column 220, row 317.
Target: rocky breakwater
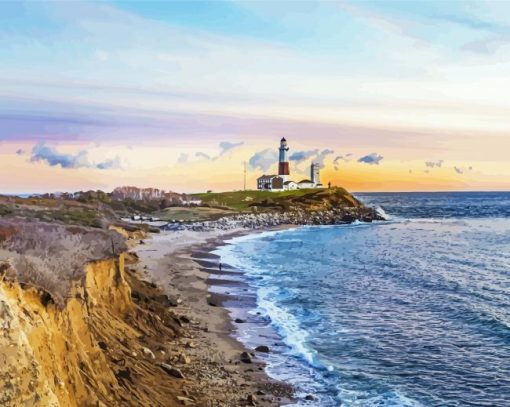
column 334, row 216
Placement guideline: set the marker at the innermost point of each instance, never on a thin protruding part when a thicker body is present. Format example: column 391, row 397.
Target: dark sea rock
column 245, row 357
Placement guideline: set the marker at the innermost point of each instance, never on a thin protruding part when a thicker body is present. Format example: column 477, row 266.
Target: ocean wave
column 286, row 325
column 391, row 307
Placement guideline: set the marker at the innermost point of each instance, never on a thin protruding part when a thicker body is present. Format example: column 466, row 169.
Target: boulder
column 147, row 352
column 184, row 359
column 262, row 349
column 185, row 401
column 171, row 371
column 245, row 357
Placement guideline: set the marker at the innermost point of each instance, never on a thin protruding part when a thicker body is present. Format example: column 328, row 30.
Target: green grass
column 80, row 216
column 243, row 201
column 4, row 210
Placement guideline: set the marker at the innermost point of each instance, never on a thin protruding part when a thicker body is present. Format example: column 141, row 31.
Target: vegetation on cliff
column 266, row 201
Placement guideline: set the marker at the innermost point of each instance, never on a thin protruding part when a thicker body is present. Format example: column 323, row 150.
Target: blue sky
column 408, row 81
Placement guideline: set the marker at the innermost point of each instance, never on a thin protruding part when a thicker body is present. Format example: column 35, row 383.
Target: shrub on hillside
column 51, row 256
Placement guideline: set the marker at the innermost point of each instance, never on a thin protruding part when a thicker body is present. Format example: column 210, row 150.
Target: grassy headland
column 266, row 201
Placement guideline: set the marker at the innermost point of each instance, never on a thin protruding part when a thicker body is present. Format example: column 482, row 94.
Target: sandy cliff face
column 55, row 357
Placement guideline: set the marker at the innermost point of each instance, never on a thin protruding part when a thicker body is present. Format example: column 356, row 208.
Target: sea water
column 413, row 311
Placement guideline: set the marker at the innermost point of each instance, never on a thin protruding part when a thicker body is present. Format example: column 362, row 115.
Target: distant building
column 270, row 182
column 187, row 200
column 290, row 185
column 306, row 183
column 281, row 182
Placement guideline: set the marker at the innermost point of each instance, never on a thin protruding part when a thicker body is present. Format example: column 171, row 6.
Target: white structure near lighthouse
column 281, row 182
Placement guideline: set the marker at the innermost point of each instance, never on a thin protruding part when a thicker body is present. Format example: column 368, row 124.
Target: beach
column 181, row 264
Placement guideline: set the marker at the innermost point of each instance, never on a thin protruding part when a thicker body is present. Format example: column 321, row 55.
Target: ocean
column 412, row 311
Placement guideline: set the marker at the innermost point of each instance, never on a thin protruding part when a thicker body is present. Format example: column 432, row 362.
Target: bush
column 51, row 256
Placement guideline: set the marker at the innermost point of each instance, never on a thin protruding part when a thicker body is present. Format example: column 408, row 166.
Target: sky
column 385, row 95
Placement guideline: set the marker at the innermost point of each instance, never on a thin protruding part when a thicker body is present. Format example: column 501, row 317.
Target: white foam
column 286, row 325
column 383, row 213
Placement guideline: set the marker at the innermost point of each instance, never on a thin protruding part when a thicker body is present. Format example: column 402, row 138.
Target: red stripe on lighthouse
column 283, row 169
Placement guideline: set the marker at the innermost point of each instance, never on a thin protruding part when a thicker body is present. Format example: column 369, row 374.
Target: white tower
column 315, row 174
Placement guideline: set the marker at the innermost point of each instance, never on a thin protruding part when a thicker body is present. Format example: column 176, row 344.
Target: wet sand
column 181, row 263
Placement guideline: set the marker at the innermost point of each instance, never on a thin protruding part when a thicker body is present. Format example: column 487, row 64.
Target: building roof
column 305, row 181
column 268, row 177
column 283, row 139
column 288, row 182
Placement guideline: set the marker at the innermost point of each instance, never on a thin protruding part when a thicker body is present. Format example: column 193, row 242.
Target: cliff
column 91, row 347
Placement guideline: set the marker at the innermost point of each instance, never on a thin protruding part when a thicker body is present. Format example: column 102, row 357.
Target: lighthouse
column 283, row 165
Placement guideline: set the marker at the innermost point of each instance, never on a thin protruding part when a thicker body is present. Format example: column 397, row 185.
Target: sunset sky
column 387, row 96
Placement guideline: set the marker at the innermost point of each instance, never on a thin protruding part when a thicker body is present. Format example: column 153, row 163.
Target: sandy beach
column 181, row 264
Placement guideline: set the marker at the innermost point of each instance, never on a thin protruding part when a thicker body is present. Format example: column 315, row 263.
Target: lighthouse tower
column 283, row 165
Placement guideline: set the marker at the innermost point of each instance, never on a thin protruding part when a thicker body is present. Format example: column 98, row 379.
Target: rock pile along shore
column 337, row 216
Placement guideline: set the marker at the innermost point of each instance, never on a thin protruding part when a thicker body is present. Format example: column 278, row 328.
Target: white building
column 270, row 183
column 290, row 185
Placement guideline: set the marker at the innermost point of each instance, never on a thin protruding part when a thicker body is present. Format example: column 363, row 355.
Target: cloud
column 432, row 164
column 20, row 151
column 462, row 170
column 203, row 155
column 345, row 158
column 322, row 156
column 264, row 159
column 50, row 155
column 183, row 158
column 300, row 156
column 224, row 147
column 487, row 46
column 109, row 164
column 316, row 156
column 227, row 146
column 371, row 159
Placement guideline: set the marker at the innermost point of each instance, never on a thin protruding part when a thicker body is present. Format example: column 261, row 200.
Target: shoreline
column 183, row 265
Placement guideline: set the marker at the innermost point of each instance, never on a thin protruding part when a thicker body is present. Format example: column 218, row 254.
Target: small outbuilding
column 290, row 185
column 306, row 183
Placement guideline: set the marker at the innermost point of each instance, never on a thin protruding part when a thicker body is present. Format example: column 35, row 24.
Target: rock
column 147, row 352
column 191, row 345
column 262, row 349
column 245, row 357
column 171, row 371
column 185, row 401
column 123, row 374
column 260, row 393
column 172, row 301
column 309, row 397
column 102, row 345
column 184, row 319
column 239, row 321
column 252, row 399
column 212, row 304
column 184, row 359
